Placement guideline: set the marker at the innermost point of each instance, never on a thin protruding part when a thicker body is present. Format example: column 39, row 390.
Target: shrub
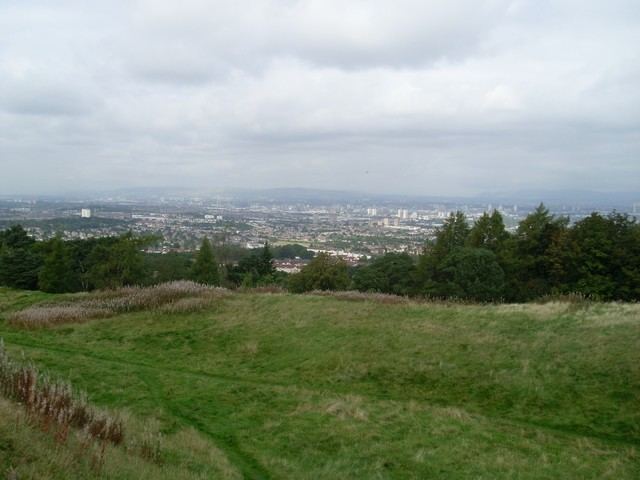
column 322, row 273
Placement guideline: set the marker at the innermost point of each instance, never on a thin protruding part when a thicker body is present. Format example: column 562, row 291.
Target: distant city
column 351, row 226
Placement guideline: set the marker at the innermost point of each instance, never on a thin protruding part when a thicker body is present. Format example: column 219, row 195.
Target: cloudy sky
column 399, row 96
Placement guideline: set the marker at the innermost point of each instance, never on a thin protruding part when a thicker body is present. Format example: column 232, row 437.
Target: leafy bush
column 322, row 273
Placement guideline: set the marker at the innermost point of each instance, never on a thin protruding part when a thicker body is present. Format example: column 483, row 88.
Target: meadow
column 275, row 385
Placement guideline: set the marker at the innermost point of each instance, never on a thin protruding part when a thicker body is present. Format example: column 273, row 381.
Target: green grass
column 285, row 386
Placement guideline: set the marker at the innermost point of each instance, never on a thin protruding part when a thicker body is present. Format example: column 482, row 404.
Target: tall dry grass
column 54, row 404
column 389, row 298
column 173, row 297
column 355, row 295
column 274, row 289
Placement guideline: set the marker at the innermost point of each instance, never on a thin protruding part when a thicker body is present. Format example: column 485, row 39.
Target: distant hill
column 582, row 198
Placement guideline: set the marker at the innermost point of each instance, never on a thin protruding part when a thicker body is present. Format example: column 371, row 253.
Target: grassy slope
column 314, row 387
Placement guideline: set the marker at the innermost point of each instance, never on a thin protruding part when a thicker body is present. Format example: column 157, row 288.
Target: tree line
column 62, row 266
column 599, row 257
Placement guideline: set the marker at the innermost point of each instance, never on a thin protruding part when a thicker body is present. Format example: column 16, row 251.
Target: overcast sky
column 399, row 96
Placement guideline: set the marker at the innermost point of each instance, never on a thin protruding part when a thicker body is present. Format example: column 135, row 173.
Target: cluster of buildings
column 352, row 231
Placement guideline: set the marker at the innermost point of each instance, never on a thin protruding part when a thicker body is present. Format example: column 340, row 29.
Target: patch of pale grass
column 187, row 305
column 47, row 316
column 249, row 348
column 142, row 298
column 173, row 297
column 591, row 314
column 541, row 311
column 456, row 414
column 610, row 314
column 348, row 407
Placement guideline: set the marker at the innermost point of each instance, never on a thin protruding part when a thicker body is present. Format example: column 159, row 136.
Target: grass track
column 163, row 401
column 246, row 464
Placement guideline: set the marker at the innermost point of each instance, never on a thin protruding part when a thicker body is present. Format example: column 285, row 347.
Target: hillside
column 286, row 386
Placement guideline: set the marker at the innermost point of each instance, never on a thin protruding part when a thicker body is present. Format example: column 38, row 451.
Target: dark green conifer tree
column 118, row 262
column 451, row 236
column 57, row 275
column 531, row 259
column 205, row 267
column 488, row 232
column 20, row 260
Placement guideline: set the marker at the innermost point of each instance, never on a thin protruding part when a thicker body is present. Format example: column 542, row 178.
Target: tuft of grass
column 348, row 407
column 188, row 305
column 150, row 443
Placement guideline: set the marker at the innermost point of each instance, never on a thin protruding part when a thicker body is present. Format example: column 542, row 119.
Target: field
column 261, row 385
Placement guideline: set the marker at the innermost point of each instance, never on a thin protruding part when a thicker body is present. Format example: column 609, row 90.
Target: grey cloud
column 362, row 34
column 44, row 100
column 412, row 96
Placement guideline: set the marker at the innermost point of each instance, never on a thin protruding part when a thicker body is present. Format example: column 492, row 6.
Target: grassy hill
column 284, row 386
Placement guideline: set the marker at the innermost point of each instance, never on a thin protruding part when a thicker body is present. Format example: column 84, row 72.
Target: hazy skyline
column 417, row 97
